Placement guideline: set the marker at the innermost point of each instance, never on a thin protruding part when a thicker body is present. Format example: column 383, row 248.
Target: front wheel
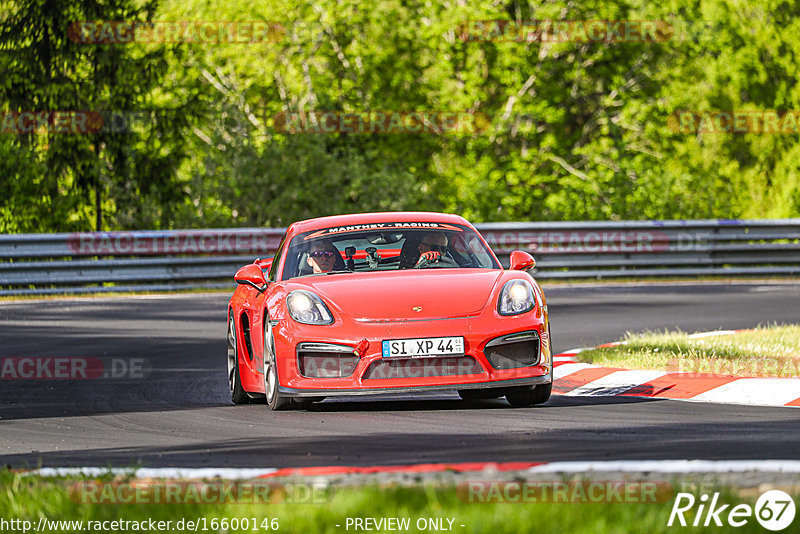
column 523, row 396
column 275, row 400
column 520, row 397
column 238, row 394
column 480, row 394
column 307, row 402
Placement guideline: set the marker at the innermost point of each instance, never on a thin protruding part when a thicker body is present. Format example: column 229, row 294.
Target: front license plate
column 422, row 347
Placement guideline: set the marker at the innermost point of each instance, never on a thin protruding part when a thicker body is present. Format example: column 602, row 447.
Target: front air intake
column 326, row 360
column 513, row 350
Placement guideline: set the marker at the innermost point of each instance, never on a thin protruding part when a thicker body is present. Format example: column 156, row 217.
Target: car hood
column 398, row 294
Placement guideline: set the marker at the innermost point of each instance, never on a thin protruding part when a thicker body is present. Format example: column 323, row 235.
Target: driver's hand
column 429, row 256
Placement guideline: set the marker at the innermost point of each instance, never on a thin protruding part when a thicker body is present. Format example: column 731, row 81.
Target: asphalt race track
column 180, row 414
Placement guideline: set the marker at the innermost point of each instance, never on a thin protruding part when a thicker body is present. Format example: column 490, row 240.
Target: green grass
column 32, row 497
column 769, row 351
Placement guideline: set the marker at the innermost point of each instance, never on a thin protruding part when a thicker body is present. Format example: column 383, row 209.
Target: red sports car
column 387, row 302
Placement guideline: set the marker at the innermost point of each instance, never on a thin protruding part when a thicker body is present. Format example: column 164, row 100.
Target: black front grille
column 326, row 364
column 422, row 367
column 513, row 351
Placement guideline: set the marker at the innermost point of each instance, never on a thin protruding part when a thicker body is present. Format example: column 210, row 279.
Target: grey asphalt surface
column 180, row 414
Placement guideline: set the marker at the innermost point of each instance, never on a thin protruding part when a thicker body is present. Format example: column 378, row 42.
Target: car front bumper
column 477, row 330
column 499, row 384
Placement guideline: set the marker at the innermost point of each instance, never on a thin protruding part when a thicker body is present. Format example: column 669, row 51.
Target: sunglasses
column 437, row 248
column 327, row 254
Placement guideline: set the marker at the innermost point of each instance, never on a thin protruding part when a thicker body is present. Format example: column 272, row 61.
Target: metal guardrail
column 156, row 260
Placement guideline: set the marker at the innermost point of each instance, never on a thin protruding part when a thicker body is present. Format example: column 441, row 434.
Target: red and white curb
column 319, row 471
column 583, row 379
column 610, row 466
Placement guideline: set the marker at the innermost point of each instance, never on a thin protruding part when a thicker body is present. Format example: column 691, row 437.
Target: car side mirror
column 522, row 261
column 251, row 275
column 265, row 264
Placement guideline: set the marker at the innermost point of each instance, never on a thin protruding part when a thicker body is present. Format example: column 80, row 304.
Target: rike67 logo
column 774, row 510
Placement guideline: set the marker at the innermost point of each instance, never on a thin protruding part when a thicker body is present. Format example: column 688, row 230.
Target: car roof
column 369, row 218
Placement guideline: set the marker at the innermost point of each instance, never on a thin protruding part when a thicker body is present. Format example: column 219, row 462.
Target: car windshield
column 386, row 247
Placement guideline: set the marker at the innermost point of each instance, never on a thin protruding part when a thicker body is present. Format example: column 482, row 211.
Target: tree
column 65, row 177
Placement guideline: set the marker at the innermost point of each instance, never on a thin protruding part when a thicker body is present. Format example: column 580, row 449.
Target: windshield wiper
column 339, row 272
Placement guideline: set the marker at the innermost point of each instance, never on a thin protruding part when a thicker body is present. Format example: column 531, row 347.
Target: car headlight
column 307, row 308
column 515, row 298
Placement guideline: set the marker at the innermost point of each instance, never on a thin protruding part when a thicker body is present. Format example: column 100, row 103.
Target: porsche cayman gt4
column 387, row 303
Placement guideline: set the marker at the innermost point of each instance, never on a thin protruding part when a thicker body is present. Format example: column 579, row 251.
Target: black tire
column 306, row 402
column 480, row 394
column 523, row 396
column 275, row 400
column 238, row 394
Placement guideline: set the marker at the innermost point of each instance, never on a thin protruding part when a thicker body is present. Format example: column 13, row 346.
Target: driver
column 432, row 247
column 321, row 256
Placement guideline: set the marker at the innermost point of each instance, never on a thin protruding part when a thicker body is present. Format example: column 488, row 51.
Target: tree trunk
column 98, row 208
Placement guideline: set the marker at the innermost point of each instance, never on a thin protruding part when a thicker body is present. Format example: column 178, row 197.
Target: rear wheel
column 275, row 400
column 238, row 394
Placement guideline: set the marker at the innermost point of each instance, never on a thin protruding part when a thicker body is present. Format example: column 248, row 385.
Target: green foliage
column 574, row 130
column 61, row 181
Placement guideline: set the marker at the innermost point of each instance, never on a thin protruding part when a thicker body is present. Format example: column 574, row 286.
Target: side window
column 273, row 270
column 460, row 252
column 479, row 253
